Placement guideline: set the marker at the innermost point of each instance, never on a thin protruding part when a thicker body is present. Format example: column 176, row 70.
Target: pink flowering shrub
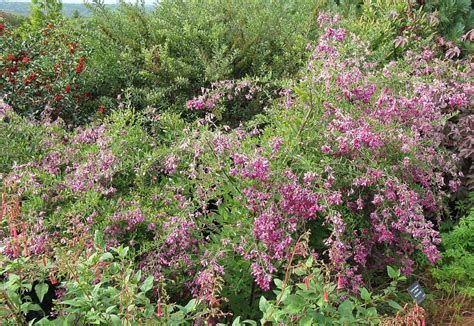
column 234, row 101
column 350, row 155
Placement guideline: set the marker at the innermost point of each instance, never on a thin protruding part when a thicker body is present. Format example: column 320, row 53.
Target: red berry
column 101, row 109
column 80, row 65
column 72, row 49
column 10, row 57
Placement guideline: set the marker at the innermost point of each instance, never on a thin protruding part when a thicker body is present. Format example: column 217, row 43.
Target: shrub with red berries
column 43, row 69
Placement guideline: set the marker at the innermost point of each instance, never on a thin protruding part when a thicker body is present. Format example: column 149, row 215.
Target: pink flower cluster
column 221, row 91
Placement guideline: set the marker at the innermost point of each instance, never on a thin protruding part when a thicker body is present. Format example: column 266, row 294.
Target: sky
column 149, row 2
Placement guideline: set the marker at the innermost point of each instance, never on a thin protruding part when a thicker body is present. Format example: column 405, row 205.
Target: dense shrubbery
column 456, row 20
column 165, row 57
column 272, row 167
column 454, row 276
column 41, row 70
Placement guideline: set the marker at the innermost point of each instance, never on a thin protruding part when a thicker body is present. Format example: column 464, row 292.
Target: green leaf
column 263, row 304
column 99, row 239
column 115, row 320
column 278, row 283
column 41, row 289
column 72, row 303
column 190, row 306
column 109, row 309
column 299, row 272
column 147, row 284
column 236, row 322
column 306, row 321
column 295, row 304
column 345, row 309
column 392, row 273
column 364, row 294
column 372, row 312
column 34, row 307
column 14, row 297
column 286, row 292
column 106, row 256
column 137, row 277
column 250, row 322
column 28, row 306
column 395, row 305
column 95, row 289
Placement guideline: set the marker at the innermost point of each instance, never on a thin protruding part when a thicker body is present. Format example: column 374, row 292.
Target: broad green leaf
column 14, row 297
column 299, row 272
column 73, row 303
column 395, row 305
column 364, row 294
column 263, row 304
column 285, row 294
column 392, row 273
column 306, row 321
column 115, row 320
column 278, row 283
column 28, row 306
column 295, row 304
column 345, row 309
column 106, row 256
column 147, row 284
column 190, row 306
column 138, row 276
column 372, row 312
column 250, row 322
column 41, row 289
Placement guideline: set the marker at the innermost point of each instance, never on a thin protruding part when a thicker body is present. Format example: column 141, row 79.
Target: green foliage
column 165, row 57
column 11, row 19
column 104, row 289
column 142, row 216
column 456, row 17
column 45, row 11
column 41, row 71
column 392, row 27
column 21, row 141
column 318, row 300
column 454, row 273
column 119, row 294
column 15, row 293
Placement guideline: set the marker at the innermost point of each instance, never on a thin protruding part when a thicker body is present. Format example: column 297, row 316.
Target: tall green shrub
column 165, row 57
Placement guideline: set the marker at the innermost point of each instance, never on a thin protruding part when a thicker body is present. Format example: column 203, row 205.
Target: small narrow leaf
column 99, row 239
